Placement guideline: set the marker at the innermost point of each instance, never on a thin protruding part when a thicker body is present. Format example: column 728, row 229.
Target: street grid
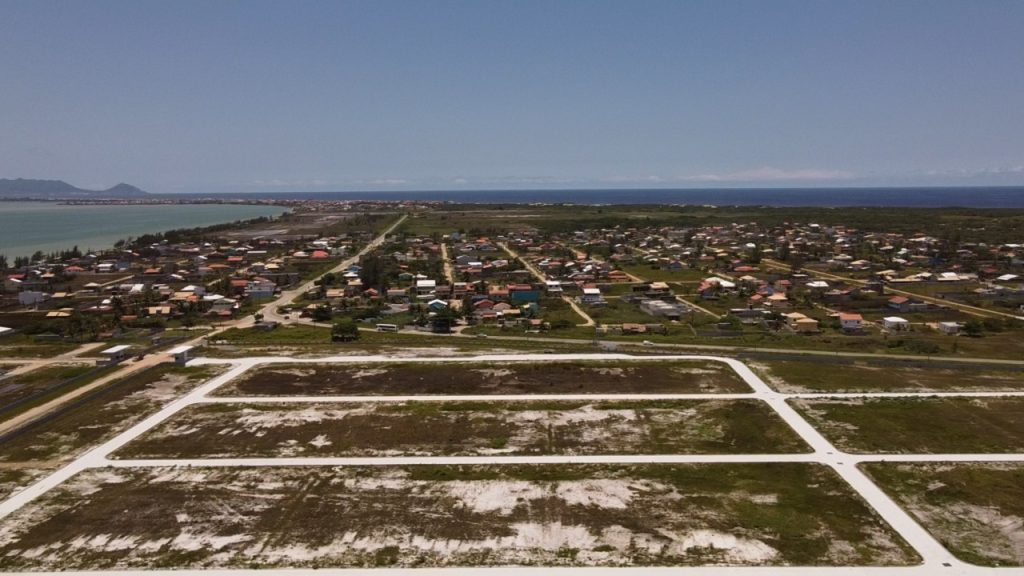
column 936, row 559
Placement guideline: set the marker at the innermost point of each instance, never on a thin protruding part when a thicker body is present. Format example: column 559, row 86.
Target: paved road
column 587, row 320
column 966, row 308
column 958, row 570
column 269, row 313
column 936, row 558
column 795, row 352
column 269, row 310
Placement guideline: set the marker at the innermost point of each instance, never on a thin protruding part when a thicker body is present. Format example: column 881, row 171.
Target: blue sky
column 272, row 96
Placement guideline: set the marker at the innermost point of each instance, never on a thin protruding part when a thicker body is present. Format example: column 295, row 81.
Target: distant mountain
column 58, row 189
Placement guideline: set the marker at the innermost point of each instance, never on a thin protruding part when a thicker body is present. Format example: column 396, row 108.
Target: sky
column 255, row 96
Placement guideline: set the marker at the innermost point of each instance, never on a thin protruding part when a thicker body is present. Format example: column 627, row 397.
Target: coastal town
column 799, row 285
column 448, row 350
column 531, row 288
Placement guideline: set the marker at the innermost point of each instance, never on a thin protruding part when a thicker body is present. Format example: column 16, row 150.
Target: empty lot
column 598, row 515
column 468, row 429
column 809, row 376
column 919, row 425
column 670, row 377
column 975, row 509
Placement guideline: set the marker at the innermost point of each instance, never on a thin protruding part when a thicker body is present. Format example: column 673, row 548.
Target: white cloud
column 972, row 172
column 770, row 174
column 285, row 183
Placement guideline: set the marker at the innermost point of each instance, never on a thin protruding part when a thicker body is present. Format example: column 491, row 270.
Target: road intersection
column 936, row 558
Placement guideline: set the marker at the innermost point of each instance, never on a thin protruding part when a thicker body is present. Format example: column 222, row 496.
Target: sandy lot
column 772, row 514
column 976, row 509
column 469, row 429
column 511, row 378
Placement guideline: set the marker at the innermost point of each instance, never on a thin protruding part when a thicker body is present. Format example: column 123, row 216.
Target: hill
column 58, row 189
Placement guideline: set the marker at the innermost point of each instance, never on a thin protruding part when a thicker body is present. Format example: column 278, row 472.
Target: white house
column 426, row 288
column 182, row 354
column 591, row 296
column 114, row 354
column 895, row 323
column 949, row 327
column 259, row 288
column 32, row 297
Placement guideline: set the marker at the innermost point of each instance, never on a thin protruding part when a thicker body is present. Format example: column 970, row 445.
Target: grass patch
column 832, row 375
column 30, row 389
column 919, row 425
column 540, row 427
column 974, row 509
column 644, row 515
column 101, row 414
column 580, row 377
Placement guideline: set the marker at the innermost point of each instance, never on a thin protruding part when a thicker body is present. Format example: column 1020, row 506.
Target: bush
column 922, row 347
column 345, row 331
column 562, row 324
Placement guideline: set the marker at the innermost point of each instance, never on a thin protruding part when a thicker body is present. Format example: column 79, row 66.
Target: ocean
column 966, row 197
column 29, row 226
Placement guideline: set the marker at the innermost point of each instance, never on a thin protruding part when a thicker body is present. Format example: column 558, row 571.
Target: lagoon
column 26, row 227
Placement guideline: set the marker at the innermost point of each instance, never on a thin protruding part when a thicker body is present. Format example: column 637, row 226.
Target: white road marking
column 936, row 558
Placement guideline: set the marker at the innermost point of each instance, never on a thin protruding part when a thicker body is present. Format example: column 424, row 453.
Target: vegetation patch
column 20, row 386
column 469, row 429
column 756, row 514
column 830, row 376
column 14, row 479
column 975, row 509
column 591, row 377
column 101, row 414
column 919, row 425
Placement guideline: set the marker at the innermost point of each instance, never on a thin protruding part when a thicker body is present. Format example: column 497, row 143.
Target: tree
column 796, row 262
column 973, row 328
column 345, row 330
column 322, row 313
column 3, row 261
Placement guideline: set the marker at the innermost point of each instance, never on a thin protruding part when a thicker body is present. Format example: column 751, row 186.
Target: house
column 801, row 322
column 426, row 288
column 951, row 328
column 182, row 354
column 553, row 286
column 895, row 323
column 32, row 297
column 519, row 293
column 851, row 322
column 260, row 288
column 663, row 309
column 591, row 296
column 900, row 303
column 114, row 355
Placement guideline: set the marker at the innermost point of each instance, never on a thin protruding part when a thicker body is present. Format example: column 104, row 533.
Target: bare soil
column 670, row 377
column 919, row 425
column 765, row 514
column 468, row 429
column 976, row 509
column 102, row 414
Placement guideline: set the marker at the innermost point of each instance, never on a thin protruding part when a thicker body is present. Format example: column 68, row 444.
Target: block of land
column 919, row 425
column 468, row 429
column 560, row 515
column 651, row 377
column 828, row 375
column 976, row 509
